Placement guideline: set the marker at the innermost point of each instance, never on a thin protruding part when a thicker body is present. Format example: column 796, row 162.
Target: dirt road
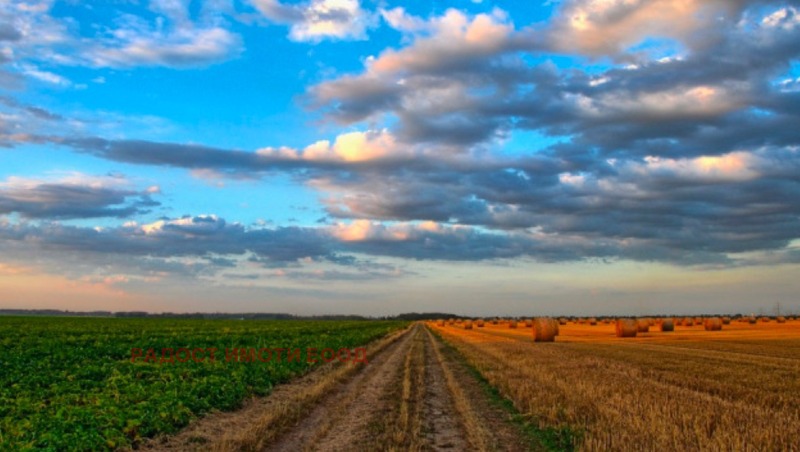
column 413, row 395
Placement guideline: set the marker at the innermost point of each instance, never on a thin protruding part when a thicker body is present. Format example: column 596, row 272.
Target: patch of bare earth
column 413, row 395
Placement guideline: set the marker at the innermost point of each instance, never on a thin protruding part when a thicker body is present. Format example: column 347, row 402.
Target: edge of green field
column 69, row 383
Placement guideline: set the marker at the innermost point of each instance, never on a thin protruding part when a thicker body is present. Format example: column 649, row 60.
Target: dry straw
column 627, row 327
column 545, row 329
column 780, row 319
column 643, row 325
column 592, row 321
column 667, row 325
column 713, row 324
column 512, row 324
column 726, row 320
column 479, row 323
column 468, row 325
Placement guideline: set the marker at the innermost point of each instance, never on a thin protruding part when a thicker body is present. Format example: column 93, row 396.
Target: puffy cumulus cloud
column 437, row 73
column 449, row 87
column 451, row 41
column 319, row 19
column 609, row 27
column 74, row 197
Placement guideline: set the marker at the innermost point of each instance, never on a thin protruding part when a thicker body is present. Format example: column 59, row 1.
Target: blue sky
column 346, row 156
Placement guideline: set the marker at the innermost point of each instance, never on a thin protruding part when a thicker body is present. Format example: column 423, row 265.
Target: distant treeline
column 217, row 315
column 268, row 315
column 189, row 315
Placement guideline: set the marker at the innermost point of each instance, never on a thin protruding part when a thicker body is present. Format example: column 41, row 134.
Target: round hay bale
column 713, row 324
column 562, row 321
column 699, row 321
column 440, row 323
column 652, row 322
column 667, row 325
column 751, row 320
column 494, row 322
column 764, row 319
column 726, row 320
column 592, row 321
column 528, row 323
column 643, row 325
column 512, row 324
column 468, row 325
column 687, row 321
column 545, row 329
column 479, row 323
column 627, row 327
column 780, row 319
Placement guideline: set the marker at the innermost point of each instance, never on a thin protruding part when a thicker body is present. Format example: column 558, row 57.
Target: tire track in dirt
column 414, row 394
column 442, row 431
column 416, row 397
column 336, row 423
column 487, row 427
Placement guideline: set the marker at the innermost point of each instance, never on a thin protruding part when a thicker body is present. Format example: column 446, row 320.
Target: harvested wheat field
column 688, row 389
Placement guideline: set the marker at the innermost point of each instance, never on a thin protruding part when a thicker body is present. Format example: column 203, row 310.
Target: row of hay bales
column 466, row 324
column 545, row 329
column 753, row 319
column 631, row 327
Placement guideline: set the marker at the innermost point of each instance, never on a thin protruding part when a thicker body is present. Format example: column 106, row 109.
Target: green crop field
column 69, row 383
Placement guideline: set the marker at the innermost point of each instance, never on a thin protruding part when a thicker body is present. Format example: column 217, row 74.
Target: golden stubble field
column 691, row 389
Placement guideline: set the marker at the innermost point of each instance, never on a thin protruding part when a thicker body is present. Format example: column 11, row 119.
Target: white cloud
column 177, row 48
column 170, row 39
column 319, row 19
column 45, row 76
column 786, row 18
column 348, row 147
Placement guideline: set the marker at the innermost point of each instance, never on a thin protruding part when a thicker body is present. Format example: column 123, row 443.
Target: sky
column 575, row 157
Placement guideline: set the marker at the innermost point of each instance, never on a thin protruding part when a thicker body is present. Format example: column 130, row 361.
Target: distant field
column 735, row 389
column 68, row 383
